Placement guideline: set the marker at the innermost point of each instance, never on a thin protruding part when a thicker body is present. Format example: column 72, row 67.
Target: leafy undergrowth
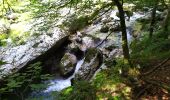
column 107, row 85
column 18, row 85
column 148, row 80
column 153, row 57
column 148, row 50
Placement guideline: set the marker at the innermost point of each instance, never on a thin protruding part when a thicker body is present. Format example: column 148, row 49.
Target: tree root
column 156, row 67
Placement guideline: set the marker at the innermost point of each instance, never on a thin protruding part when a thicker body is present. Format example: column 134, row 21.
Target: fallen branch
column 154, row 82
column 156, row 67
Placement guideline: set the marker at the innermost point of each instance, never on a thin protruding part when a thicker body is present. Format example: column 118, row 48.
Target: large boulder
column 92, row 62
column 21, row 56
column 67, row 64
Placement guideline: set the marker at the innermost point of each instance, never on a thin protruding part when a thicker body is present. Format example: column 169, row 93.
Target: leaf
column 2, row 62
column 38, row 86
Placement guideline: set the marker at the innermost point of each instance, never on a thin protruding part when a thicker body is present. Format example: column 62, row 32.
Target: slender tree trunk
column 166, row 24
column 153, row 19
column 123, row 29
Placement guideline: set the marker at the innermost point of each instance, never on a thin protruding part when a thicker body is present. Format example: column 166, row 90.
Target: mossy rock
column 90, row 54
column 92, row 62
column 67, row 64
column 76, row 23
column 66, row 91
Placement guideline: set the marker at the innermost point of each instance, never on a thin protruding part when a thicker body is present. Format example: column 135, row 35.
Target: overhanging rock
column 36, row 49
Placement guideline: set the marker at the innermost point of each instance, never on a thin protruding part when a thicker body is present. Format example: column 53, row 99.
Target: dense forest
column 84, row 49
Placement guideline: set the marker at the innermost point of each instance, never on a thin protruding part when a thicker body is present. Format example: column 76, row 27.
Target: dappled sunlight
column 84, row 49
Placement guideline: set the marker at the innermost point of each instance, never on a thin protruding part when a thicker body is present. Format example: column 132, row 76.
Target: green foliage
column 81, row 90
column 2, row 63
column 2, row 37
column 21, row 82
column 112, row 75
column 143, row 3
column 75, row 23
column 107, row 81
column 148, row 49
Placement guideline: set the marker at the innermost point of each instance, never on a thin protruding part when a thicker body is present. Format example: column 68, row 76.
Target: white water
column 57, row 84
column 60, row 83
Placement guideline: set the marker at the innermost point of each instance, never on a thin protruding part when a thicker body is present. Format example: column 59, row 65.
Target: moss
column 81, row 90
column 91, row 53
column 2, row 37
column 76, row 23
column 66, row 91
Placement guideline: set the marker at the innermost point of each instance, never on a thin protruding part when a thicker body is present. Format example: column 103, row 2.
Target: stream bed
column 59, row 83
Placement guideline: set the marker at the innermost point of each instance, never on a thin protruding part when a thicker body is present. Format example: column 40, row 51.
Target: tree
column 153, row 16
column 123, row 29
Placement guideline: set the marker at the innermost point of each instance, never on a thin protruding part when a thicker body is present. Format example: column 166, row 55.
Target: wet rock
column 67, row 64
column 104, row 29
column 92, row 62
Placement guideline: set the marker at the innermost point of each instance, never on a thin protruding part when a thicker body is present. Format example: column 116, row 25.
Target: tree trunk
column 123, row 29
column 153, row 17
column 166, row 24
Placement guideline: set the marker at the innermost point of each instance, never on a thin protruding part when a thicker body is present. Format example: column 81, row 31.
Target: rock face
column 20, row 56
column 68, row 63
column 93, row 60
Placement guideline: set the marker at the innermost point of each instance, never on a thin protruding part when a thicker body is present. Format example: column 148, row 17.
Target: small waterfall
column 57, row 84
column 60, row 83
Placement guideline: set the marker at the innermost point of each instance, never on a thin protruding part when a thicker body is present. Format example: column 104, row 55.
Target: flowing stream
column 59, row 83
